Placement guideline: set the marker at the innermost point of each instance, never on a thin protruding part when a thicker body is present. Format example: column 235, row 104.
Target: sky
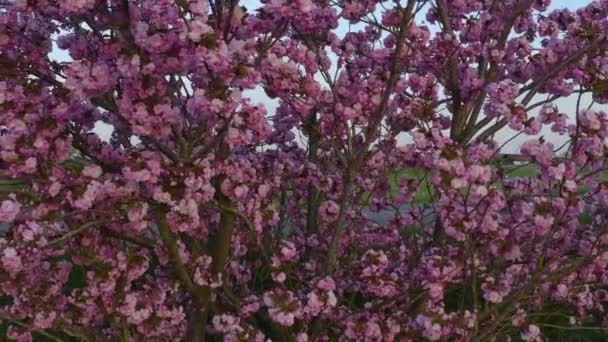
column 554, row 3
column 566, row 105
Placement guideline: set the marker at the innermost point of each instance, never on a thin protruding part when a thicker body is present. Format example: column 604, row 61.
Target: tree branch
column 170, row 243
column 75, row 232
column 353, row 165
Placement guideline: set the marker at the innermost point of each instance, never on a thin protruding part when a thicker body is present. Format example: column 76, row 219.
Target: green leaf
column 585, row 218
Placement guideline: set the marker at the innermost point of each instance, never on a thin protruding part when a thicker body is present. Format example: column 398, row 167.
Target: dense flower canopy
column 207, row 216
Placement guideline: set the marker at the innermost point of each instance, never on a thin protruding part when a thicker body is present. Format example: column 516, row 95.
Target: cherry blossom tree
column 207, row 215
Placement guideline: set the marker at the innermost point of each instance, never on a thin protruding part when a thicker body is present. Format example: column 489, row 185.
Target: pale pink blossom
column 9, row 210
column 11, row 261
column 93, row 171
column 531, row 334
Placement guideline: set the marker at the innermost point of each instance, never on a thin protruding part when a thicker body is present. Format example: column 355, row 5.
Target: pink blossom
column 137, row 176
column 30, row 165
column 557, row 172
column 519, row 318
column 435, row 291
column 279, row 277
column 263, row 190
column 329, row 211
column 91, row 194
column 479, row 173
column 458, row 183
column 514, row 253
column 11, row 261
column 54, row 189
column 19, row 335
column 492, row 296
column 77, row 6
column 430, row 330
column 532, row 333
column 288, row 251
column 250, row 306
column 93, row 171
column 197, row 30
column 305, row 5
column 326, row 284
column 283, row 307
column 188, row 207
column 241, row 191
column 162, row 197
column 199, row 7
column 137, row 216
column 138, row 213
column 17, row 126
column 225, row 323
column 561, row 291
column 375, row 262
column 570, row 185
column 44, row 320
column 9, row 211
column 203, row 275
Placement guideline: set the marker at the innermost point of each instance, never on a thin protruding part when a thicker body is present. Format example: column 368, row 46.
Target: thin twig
column 76, row 231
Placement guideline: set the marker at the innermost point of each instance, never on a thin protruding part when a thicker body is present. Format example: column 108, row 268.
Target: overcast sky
column 566, row 105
